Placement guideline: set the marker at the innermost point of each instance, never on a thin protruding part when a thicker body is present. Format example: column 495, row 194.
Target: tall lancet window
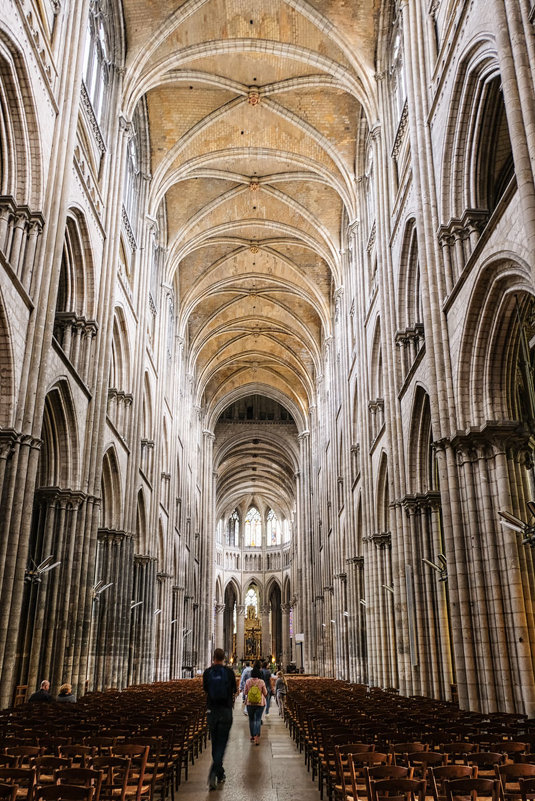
column 253, row 529
column 97, row 59
column 273, row 529
column 233, row 530
column 251, row 599
column 397, row 74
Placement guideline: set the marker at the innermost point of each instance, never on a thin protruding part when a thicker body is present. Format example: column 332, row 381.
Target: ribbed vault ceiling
column 253, row 112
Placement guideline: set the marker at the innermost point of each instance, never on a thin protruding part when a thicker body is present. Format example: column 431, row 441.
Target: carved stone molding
column 144, row 559
column 113, row 536
column 382, row 540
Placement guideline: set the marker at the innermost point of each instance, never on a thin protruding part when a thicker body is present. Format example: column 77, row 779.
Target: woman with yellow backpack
column 255, row 693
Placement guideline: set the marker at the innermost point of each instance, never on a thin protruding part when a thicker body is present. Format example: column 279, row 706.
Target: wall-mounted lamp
column 441, row 568
column 516, row 524
column 33, row 574
column 390, row 589
column 99, row 588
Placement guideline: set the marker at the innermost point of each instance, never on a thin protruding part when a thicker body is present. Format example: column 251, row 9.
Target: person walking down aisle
column 266, row 675
column 219, row 684
column 281, row 688
column 255, row 694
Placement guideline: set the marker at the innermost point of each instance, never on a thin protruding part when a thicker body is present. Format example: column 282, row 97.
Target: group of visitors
column 43, row 694
column 257, row 686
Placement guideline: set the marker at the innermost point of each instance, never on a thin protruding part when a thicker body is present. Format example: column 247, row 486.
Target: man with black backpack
column 219, row 684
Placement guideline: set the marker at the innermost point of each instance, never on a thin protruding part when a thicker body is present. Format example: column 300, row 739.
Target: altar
column 253, row 635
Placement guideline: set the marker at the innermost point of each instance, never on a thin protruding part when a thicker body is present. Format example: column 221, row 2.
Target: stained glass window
column 273, row 529
column 233, row 530
column 253, row 529
column 251, row 599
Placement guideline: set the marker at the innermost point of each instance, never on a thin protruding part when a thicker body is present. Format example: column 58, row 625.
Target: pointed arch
column 490, row 342
column 58, row 461
column 376, row 362
column 111, row 494
column 7, row 377
column 410, row 304
column 383, row 495
column 20, row 152
column 421, row 460
column 76, row 290
column 141, row 543
column 481, row 164
column 234, row 587
column 120, row 353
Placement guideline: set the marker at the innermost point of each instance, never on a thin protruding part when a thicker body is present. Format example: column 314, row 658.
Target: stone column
column 240, row 631
column 207, row 598
column 305, row 560
column 111, row 624
column 219, row 617
column 285, row 609
column 266, row 633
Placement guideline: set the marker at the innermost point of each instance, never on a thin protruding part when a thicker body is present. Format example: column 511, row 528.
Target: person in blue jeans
column 219, row 683
column 266, row 675
column 255, row 710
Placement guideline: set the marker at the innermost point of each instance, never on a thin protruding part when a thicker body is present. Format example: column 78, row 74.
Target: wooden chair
column 358, row 763
column 472, row 788
column 400, row 750
column 440, row 775
column 8, row 792
column 156, row 769
column 81, row 756
column 509, row 777
column 137, row 785
column 527, row 789
column 64, row 792
column 421, row 761
column 457, row 751
column 116, row 773
column 397, row 790
column 24, row 778
column 83, row 777
column 25, row 754
column 380, row 772
column 342, row 779
column 102, row 746
column 516, row 751
column 46, row 766
column 486, row 762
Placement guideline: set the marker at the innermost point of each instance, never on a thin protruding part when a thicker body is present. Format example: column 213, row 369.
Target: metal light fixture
column 34, row 574
column 441, row 568
column 99, row 588
column 390, row 589
column 513, row 522
column 133, row 604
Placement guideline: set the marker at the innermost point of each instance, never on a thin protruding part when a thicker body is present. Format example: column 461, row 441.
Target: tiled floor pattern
column 272, row 771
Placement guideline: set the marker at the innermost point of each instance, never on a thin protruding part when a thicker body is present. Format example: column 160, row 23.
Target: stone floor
column 272, row 771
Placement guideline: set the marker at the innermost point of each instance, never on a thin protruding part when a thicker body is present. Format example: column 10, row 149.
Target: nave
column 275, row 771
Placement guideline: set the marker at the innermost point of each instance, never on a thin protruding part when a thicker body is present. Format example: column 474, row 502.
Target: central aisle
column 272, row 771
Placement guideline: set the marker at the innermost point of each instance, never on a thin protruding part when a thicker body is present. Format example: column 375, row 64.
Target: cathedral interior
column 267, row 336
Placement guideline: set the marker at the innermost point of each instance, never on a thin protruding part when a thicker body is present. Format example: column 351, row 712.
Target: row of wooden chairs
column 329, row 719
column 142, row 740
